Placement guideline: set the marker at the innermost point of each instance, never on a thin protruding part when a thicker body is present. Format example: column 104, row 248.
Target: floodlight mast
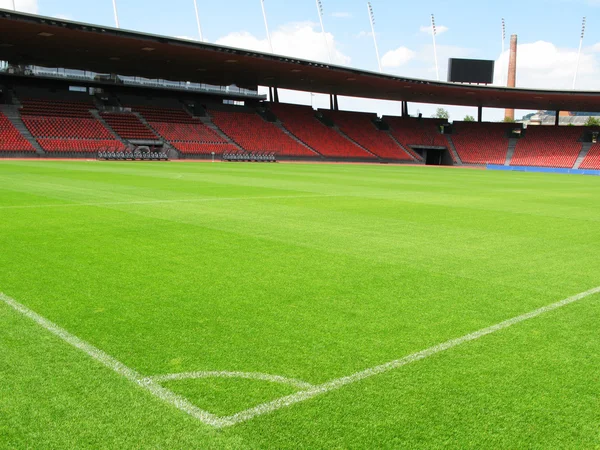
column 116, row 13
column 14, row 5
column 433, row 34
column 579, row 52
column 503, row 49
column 198, row 21
column 262, row 4
column 372, row 18
column 320, row 11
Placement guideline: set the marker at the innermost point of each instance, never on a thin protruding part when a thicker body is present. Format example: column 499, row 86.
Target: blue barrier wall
column 543, row 170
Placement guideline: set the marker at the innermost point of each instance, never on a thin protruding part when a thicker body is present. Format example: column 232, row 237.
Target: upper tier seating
column 301, row 122
column 360, row 128
column 60, row 108
column 129, row 126
column 548, row 146
column 481, row 143
column 10, row 138
column 254, row 134
column 592, row 159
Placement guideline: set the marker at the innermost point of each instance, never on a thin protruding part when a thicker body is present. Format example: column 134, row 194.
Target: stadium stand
column 10, row 138
column 481, row 143
column 129, row 126
column 183, row 132
column 416, row 132
column 79, row 145
column 548, row 146
column 592, row 159
column 360, row 128
column 254, row 134
column 302, row 123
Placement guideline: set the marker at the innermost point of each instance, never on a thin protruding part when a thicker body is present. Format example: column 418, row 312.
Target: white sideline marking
column 358, row 376
column 183, row 200
column 247, row 375
column 155, row 389
column 151, row 383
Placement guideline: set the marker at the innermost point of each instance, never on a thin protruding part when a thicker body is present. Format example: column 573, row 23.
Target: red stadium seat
column 548, row 146
column 416, row 132
column 360, row 128
column 481, row 143
column 592, row 159
column 129, row 126
column 10, row 138
column 302, row 123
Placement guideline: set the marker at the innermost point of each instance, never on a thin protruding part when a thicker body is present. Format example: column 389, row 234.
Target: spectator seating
column 481, row 143
column 592, row 159
column 302, row 123
column 198, row 148
column 66, row 127
column 410, row 131
column 254, row 134
column 129, row 126
column 61, row 108
column 79, row 145
column 10, row 138
column 548, row 146
column 360, row 128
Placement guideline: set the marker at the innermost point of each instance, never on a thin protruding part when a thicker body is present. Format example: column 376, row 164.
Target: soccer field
column 197, row 305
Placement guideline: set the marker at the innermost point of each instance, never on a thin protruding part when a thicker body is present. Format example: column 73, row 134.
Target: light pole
column 372, row 19
column 433, row 34
column 502, row 55
column 198, row 21
column 320, row 12
column 262, row 3
column 579, row 52
column 116, row 13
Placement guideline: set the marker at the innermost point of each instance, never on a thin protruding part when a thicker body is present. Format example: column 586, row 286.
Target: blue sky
column 548, row 31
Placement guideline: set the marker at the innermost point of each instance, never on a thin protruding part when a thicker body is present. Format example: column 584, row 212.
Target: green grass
column 311, row 272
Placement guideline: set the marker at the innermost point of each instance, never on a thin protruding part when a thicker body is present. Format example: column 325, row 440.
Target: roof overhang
column 51, row 42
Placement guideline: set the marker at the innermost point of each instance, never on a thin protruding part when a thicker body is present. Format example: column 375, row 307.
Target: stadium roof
column 51, row 42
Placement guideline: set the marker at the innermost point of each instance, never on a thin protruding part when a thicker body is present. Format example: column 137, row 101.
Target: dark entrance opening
column 437, row 156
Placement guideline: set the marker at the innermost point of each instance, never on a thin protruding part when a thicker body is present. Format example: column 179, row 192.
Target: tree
column 592, row 122
column 469, row 119
column 509, row 120
column 441, row 113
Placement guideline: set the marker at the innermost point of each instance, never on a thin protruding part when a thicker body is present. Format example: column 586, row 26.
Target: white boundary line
column 246, row 375
column 151, row 385
column 151, row 202
column 116, row 366
column 358, row 376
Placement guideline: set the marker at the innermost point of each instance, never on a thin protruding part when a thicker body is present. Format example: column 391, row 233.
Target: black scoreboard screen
column 476, row 71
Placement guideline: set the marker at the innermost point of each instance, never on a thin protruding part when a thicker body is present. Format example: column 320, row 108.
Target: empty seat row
column 196, row 148
column 254, row 134
column 129, row 126
column 187, row 132
column 592, row 159
column 548, row 146
column 481, row 143
column 302, row 123
column 63, row 127
column 10, row 138
column 361, row 128
column 79, row 145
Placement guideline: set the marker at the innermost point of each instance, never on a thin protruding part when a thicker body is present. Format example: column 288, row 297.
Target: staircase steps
column 585, row 149
column 279, row 125
column 453, row 151
column 512, row 145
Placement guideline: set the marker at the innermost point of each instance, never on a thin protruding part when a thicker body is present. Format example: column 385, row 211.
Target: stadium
column 189, row 263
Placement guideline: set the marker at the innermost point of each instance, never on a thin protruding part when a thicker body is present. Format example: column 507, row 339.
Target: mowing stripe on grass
column 246, row 375
column 155, row 389
column 183, row 200
column 358, row 376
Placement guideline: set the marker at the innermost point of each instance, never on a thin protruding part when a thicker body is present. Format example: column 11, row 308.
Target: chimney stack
column 512, row 72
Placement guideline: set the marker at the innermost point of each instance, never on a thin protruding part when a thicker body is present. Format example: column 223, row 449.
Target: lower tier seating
column 79, row 145
column 129, row 126
column 254, row 134
column 548, row 146
column 187, row 132
column 592, row 159
column 360, row 128
column 63, row 127
column 302, row 123
column 481, row 143
column 197, row 148
column 10, row 138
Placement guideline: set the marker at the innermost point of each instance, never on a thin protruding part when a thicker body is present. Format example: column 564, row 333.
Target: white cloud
column 341, row 15
column 398, row 57
column 301, row 40
column 439, row 29
column 29, row 6
column 543, row 65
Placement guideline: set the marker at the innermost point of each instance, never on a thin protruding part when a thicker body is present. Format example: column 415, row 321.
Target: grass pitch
column 308, row 272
